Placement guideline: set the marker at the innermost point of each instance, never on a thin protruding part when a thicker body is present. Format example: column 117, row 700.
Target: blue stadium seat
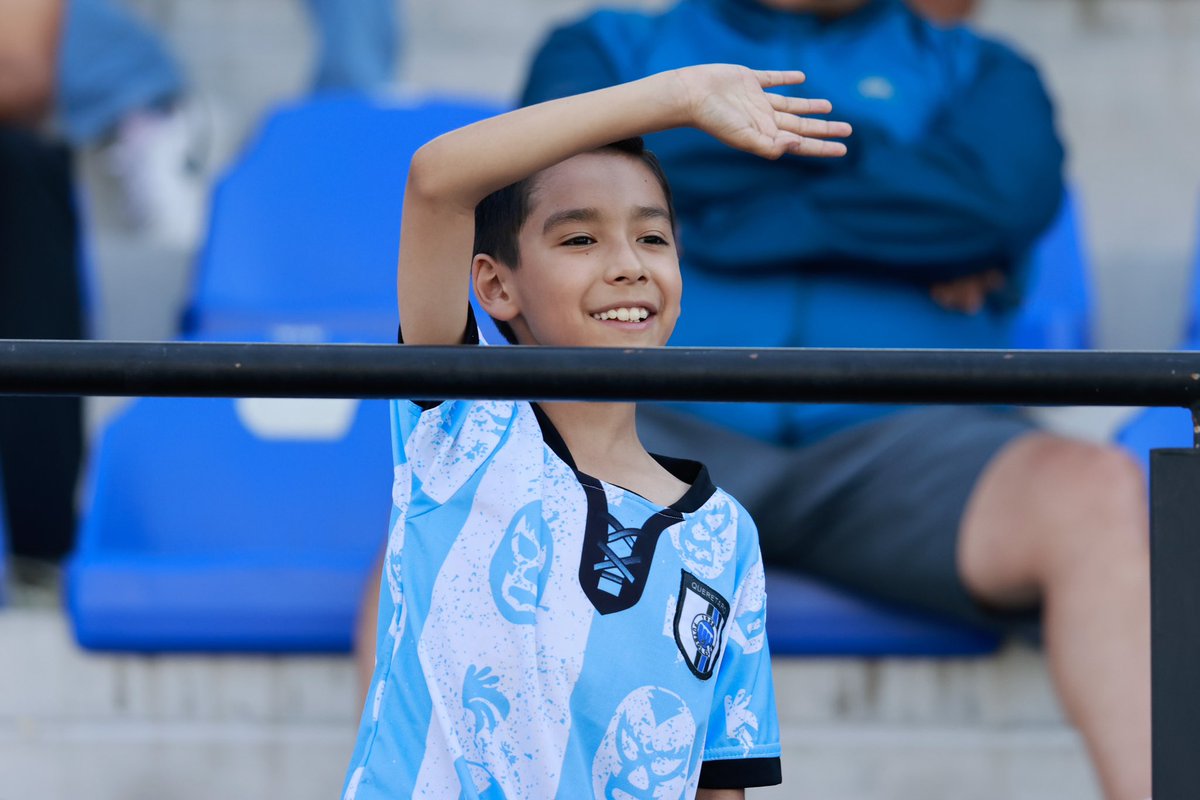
column 808, row 618
column 1192, row 332
column 1057, row 311
column 1154, row 428
column 1167, row 427
column 218, row 525
column 304, row 228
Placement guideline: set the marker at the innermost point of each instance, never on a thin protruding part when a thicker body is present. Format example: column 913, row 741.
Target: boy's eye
column 579, row 241
column 653, row 238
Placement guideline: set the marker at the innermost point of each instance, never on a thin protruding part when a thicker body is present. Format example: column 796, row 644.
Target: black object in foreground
column 205, row 369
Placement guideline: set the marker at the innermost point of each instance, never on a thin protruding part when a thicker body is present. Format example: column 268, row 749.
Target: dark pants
column 41, row 438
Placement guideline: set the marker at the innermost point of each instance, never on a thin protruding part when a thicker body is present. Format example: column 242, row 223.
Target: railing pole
column 1175, row 621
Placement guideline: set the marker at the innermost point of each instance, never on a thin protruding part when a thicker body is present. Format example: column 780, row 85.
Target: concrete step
column 127, row 727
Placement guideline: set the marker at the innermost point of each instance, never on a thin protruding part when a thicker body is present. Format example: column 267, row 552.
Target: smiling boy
column 563, row 614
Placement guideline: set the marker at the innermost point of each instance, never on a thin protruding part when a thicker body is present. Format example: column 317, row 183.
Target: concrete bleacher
column 128, row 727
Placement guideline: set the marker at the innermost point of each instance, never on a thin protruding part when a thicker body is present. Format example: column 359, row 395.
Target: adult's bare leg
column 1066, row 523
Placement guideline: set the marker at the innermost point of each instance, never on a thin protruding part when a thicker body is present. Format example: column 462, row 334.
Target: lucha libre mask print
column 706, row 541
column 520, row 566
column 647, row 749
column 749, row 628
column 741, row 724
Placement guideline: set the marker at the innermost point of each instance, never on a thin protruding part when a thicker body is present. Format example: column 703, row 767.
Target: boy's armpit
column 470, row 335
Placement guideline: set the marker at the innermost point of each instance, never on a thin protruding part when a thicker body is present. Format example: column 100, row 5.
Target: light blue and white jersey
column 544, row 634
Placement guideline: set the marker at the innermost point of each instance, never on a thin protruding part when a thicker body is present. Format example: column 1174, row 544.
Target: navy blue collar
column 693, row 473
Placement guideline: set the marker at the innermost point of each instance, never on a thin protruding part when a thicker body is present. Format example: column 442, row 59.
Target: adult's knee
column 1093, row 498
column 1095, row 479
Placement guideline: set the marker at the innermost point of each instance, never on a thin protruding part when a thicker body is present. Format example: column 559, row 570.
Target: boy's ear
column 493, row 287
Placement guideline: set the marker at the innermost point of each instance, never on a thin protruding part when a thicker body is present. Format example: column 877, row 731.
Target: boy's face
column 598, row 260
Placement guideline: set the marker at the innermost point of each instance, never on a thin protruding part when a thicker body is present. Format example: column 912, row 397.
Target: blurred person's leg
column 366, row 627
column 120, row 87
column 974, row 515
column 1066, row 523
column 41, row 438
column 110, row 66
column 358, row 44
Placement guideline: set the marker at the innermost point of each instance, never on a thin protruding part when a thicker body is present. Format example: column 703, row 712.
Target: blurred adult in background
column 41, row 439
column 120, row 86
column 916, row 239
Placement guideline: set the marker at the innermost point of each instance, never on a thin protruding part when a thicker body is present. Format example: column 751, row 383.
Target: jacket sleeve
column 570, row 61
column 973, row 193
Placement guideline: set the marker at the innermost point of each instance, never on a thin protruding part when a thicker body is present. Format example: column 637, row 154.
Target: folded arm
column 970, row 195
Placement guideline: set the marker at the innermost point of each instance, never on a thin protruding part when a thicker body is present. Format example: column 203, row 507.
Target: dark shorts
column 875, row 508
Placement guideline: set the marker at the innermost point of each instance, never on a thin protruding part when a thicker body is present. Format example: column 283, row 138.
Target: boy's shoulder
column 445, row 445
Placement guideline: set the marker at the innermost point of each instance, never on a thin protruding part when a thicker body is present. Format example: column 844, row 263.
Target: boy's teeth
column 623, row 314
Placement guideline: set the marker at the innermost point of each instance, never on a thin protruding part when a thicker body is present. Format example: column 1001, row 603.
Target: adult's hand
column 28, row 46
column 967, row 295
column 948, row 11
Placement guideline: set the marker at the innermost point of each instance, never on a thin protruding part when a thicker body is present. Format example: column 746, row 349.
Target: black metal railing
column 1034, row 378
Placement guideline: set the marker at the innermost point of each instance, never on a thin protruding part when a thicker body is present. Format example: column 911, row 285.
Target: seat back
column 220, row 524
column 810, row 618
column 1056, row 313
column 305, row 226
column 1154, row 428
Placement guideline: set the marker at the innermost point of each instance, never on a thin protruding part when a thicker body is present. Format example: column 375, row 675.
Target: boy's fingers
column 777, row 77
column 820, row 148
column 819, row 128
column 799, row 105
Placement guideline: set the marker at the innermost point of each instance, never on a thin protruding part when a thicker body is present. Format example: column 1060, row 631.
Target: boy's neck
column 603, row 441
column 595, row 432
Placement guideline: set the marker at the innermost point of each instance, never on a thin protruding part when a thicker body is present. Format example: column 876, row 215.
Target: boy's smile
column 598, row 264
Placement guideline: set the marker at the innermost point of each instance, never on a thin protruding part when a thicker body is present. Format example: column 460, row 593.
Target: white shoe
column 159, row 160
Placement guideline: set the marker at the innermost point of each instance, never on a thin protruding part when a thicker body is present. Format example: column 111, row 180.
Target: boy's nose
column 627, row 266
column 631, row 276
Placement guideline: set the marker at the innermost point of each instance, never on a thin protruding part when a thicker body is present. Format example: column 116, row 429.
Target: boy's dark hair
column 500, row 215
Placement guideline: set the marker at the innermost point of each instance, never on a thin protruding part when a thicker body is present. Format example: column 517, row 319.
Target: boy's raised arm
column 451, row 174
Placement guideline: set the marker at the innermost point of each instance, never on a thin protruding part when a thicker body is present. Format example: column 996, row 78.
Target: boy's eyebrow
column 592, row 214
column 570, row 215
column 651, row 212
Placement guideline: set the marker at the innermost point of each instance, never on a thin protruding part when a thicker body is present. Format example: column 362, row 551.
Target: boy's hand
column 728, row 102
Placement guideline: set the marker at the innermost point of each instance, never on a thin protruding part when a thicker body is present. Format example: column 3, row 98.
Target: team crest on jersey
column 700, row 617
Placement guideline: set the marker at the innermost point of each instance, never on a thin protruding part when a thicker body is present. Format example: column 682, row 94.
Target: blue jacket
column 954, row 168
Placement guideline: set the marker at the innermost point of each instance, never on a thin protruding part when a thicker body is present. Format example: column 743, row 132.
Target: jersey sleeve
column 439, row 445
column 742, row 743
